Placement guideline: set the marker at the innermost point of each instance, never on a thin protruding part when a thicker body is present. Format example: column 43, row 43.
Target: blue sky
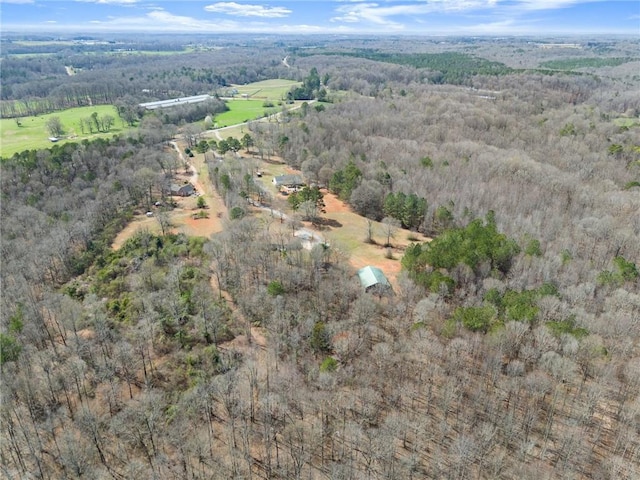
column 426, row 17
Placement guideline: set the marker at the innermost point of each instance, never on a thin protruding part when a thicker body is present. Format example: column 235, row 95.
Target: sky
column 392, row 17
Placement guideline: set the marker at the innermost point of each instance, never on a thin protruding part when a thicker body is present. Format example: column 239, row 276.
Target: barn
column 373, row 280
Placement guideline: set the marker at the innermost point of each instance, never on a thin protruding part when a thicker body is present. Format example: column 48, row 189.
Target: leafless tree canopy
column 247, row 356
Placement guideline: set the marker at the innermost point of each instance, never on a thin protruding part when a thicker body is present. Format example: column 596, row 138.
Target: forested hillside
column 509, row 349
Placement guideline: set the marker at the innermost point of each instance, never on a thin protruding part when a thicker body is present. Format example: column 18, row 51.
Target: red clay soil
column 334, row 205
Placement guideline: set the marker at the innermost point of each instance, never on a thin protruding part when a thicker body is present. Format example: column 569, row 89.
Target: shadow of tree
column 323, row 223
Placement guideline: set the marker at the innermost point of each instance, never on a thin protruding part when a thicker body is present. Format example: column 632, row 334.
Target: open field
column 235, row 131
column 241, row 111
column 252, row 107
column 274, row 90
column 346, row 231
column 33, row 134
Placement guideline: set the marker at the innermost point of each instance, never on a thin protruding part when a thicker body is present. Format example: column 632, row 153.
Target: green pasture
column 241, row 111
column 273, row 90
column 32, row 132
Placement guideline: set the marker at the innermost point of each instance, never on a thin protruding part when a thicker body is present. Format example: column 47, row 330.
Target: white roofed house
column 289, row 183
column 184, row 190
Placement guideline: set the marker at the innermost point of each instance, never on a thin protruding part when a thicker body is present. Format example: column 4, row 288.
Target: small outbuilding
column 373, row 280
column 184, row 190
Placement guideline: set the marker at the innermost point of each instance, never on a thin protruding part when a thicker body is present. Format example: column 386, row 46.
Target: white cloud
column 245, row 10
column 548, row 4
column 382, row 14
column 110, row 2
column 348, row 16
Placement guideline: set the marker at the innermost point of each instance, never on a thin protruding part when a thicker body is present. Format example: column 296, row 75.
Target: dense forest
column 509, row 349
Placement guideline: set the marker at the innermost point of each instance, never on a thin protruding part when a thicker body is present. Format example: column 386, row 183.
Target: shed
column 373, row 280
column 182, row 190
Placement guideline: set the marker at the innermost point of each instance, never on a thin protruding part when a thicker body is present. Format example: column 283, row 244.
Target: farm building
column 373, row 280
column 175, row 102
column 182, row 190
column 290, row 182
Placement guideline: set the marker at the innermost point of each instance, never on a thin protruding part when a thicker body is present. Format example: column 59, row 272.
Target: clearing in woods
column 182, row 217
column 274, row 90
column 31, row 133
column 339, row 226
column 346, row 231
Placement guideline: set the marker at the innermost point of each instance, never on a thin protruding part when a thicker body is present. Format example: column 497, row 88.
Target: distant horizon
column 92, row 35
column 424, row 18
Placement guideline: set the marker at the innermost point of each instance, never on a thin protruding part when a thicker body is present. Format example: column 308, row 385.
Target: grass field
column 241, row 111
column 33, row 134
column 252, row 107
column 273, row 90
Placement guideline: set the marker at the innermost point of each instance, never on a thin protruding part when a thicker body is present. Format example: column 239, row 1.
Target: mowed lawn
column 33, row 134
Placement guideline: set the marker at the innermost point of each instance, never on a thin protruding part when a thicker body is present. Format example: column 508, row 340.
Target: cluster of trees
column 55, row 126
column 478, row 246
column 408, row 209
column 96, row 123
column 91, row 124
column 230, row 144
column 345, row 180
column 195, row 112
column 308, row 200
column 310, row 89
column 450, row 67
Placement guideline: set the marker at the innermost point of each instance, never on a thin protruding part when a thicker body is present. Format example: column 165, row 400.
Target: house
column 182, row 190
column 289, row 182
column 373, row 280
